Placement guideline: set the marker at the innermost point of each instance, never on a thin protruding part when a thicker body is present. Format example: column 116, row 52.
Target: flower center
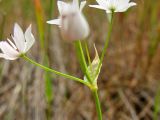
column 112, row 8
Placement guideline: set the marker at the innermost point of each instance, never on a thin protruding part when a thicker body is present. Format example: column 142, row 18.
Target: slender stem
column 83, row 60
column 106, row 42
column 87, row 52
column 56, row 72
column 82, row 54
column 97, row 102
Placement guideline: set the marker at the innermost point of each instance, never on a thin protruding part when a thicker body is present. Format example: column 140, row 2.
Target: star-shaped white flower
column 22, row 43
column 113, row 5
column 71, row 21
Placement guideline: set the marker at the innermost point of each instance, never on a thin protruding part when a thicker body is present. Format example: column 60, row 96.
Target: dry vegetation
column 128, row 82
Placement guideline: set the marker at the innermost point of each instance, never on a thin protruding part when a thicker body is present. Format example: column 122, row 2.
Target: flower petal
column 75, row 3
column 29, row 39
column 8, row 50
column 55, row 21
column 82, row 5
column 125, row 7
column 19, row 37
column 97, row 6
column 132, row 4
column 7, row 57
column 102, row 3
column 61, row 5
column 12, row 44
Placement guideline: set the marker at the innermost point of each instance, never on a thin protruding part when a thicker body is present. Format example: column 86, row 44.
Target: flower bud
column 74, row 26
column 72, row 22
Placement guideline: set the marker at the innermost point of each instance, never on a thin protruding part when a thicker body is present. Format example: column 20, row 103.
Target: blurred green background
column 129, row 81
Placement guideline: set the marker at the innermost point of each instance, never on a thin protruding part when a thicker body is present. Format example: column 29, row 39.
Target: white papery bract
column 113, row 5
column 22, row 42
column 71, row 21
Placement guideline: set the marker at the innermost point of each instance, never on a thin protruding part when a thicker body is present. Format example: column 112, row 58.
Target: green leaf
column 92, row 69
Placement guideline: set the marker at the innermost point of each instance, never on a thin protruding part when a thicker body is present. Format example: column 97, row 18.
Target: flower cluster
column 71, row 21
column 73, row 27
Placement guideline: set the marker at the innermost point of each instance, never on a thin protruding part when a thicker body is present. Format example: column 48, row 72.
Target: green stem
column 82, row 54
column 87, row 52
column 83, row 60
column 56, row 72
column 97, row 102
column 106, row 42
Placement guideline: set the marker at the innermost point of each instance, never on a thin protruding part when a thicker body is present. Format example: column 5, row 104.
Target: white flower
column 22, row 43
column 71, row 21
column 113, row 5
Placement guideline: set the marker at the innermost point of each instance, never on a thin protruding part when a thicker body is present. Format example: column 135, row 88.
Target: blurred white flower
column 113, row 5
column 71, row 21
column 22, row 43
